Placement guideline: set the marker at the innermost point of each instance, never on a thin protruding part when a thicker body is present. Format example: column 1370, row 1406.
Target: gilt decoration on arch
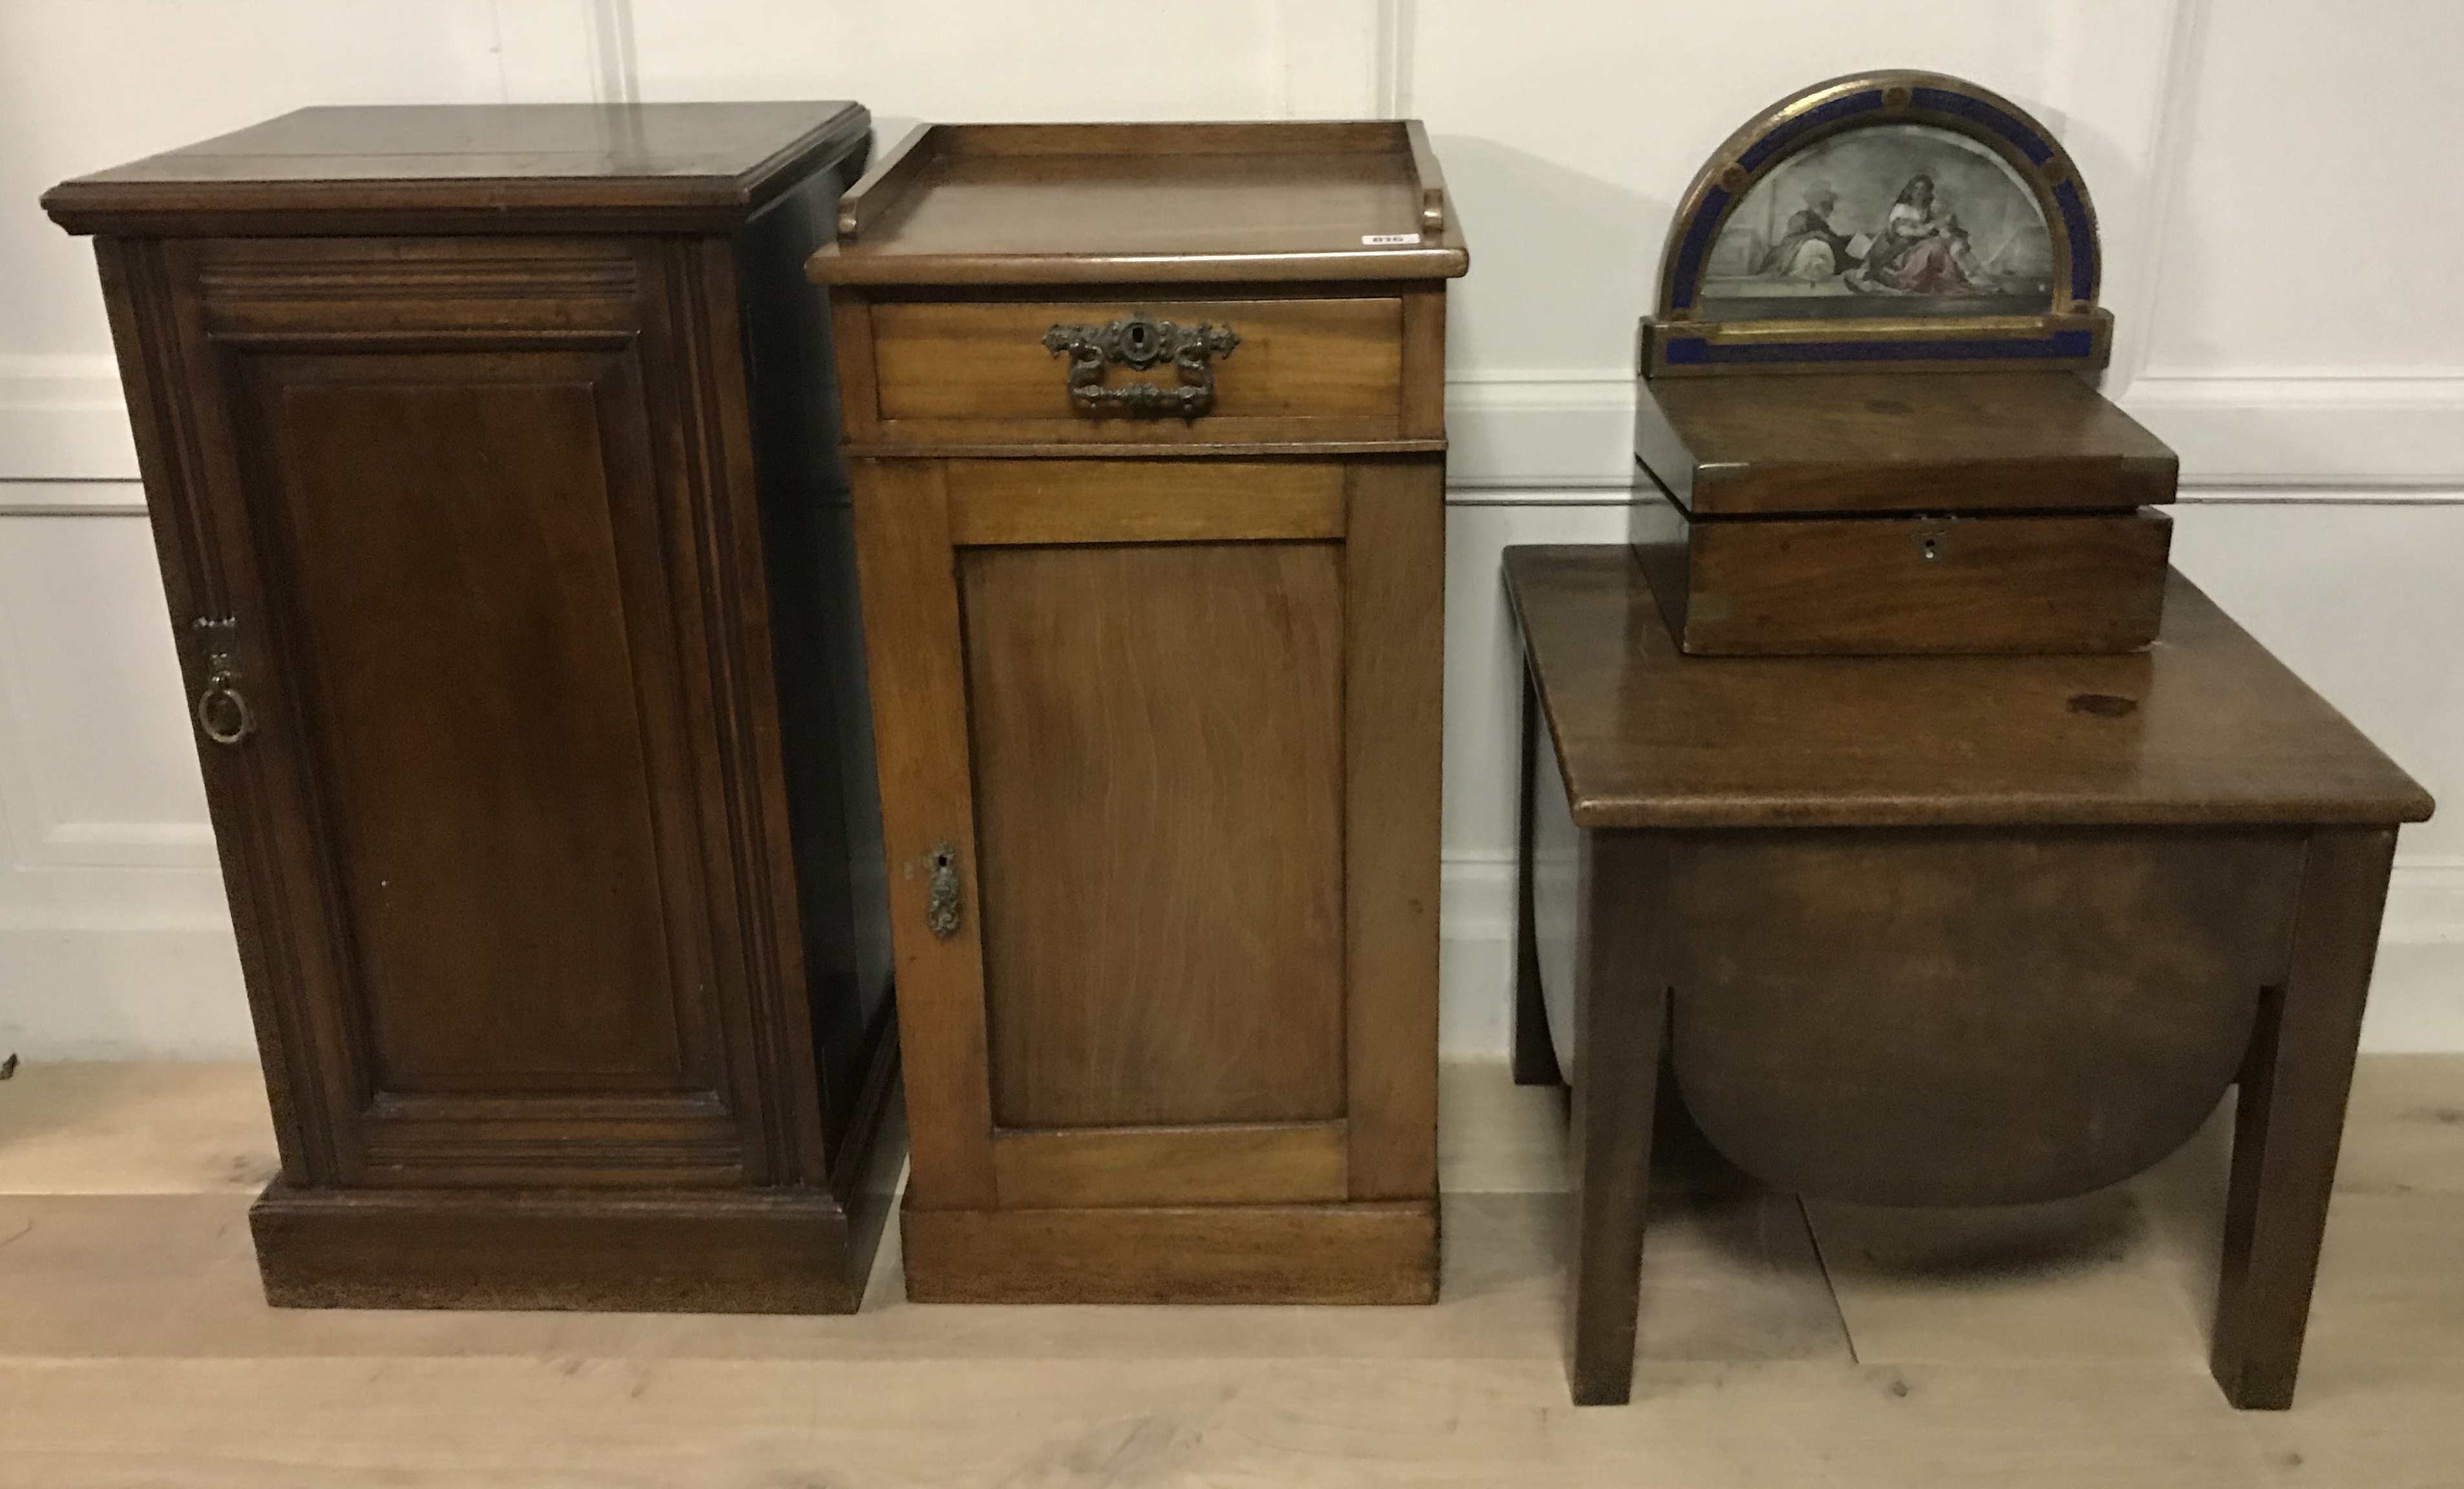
column 1882, row 220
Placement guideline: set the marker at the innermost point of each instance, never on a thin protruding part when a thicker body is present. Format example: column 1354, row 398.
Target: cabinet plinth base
column 1363, row 1253
column 775, row 1251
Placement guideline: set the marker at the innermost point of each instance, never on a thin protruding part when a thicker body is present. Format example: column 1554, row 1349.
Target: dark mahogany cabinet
column 507, row 546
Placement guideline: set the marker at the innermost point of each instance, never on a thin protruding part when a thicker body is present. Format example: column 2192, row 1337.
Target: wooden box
column 1876, row 512
column 1862, row 426
column 467, row 434
column 1146, row 430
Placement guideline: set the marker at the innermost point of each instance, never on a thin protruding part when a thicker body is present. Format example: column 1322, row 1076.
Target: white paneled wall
column 2279, row 220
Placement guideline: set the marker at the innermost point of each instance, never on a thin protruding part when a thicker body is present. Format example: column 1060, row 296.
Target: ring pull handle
column 222, row 710
column 1138, row 342
column 942, row 892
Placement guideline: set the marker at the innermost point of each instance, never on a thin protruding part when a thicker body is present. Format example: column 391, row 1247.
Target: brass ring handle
column 222, row 711
column 1138, row 342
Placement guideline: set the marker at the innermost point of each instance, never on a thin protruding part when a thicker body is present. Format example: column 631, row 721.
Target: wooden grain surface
column 1424, row 363
column 558, row 167
column 1027, row 502
column 480, row 554
column 1532, row 1049
column 1256, row 1162
column 1621, row 970
column 821, row 834
column 1394, row 702
column 1314, row 365
column 741, row 1250
column 1968, row 1017
column 1090, row 202
column 915, row 663
column 2289, row 1119
column 1896, row 442
column 1886, row 586
column 1158, row 740
column 1322, row 1253
column 2206, row 727
column 867, row 200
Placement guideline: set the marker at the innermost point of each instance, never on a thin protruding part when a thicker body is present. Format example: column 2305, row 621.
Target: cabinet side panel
column 1158, row 740
column 816, row 637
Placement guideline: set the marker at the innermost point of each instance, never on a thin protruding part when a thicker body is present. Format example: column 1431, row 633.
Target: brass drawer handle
column 1139, row 342
column 222, row 710
column 942, row 892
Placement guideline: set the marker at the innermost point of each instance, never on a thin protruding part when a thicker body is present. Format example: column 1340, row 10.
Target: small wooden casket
column 1907, row 512
column 1864, row 425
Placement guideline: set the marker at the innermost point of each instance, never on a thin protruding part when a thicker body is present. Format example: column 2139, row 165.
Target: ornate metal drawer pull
column 1139, row 342
column 222, row 710
column 942, row 892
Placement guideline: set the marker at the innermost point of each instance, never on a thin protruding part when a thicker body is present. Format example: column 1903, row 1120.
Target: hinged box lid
column 1878, row 442
column 1044, row 204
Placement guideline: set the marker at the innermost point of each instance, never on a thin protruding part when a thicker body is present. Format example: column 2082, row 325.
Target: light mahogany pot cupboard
column 1147, row 433
column 470, row 435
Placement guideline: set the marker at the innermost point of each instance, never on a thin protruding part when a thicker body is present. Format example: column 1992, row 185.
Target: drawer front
column 979, row 373
column 1907, row 586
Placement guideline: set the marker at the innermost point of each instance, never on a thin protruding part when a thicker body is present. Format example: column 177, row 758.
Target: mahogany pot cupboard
column 1968, row 930
column 1147, row 432
column 468, row 436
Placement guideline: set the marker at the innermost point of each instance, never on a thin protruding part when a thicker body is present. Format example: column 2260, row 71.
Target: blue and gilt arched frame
column 2074, row 332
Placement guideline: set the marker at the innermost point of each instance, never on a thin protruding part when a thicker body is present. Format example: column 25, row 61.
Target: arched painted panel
column 1890, row 196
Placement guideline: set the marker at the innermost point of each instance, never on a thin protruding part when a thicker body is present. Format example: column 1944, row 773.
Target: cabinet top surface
column 1095, row 202
column 2205, row 728
column 500, row 158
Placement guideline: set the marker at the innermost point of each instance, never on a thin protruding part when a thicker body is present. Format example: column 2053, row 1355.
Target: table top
column 2205, row 728
column 1035, row 204
column 500, row 159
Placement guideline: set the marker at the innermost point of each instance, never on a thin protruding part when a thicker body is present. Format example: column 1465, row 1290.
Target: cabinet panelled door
column 1160, row 808
column 459, row 569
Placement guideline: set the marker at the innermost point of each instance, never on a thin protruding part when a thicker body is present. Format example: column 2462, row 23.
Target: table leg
column 1536, row 1057
column 1621, row 1012
column 2289, row 1117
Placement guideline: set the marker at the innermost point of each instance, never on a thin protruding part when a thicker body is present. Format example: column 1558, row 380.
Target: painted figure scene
column 1889, row 221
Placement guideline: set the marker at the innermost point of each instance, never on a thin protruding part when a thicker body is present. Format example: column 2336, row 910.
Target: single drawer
column 1883, row 585
column 1143, row 372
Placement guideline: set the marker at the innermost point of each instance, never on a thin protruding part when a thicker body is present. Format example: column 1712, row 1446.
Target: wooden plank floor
column 2048, row 1346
